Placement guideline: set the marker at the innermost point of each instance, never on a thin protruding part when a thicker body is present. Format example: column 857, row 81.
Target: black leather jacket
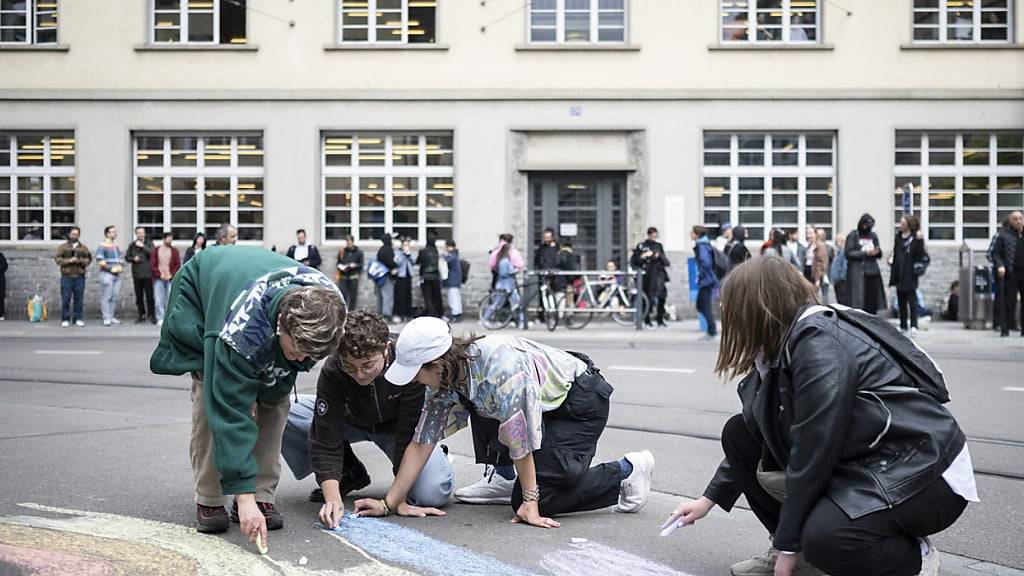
column 1004, row 250
column 838, row 414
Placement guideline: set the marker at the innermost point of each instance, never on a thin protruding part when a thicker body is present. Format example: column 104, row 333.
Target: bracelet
column 387, row 509
column 531, row 494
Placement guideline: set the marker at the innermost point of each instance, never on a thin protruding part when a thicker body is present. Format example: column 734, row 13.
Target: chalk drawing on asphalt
column 590, row 558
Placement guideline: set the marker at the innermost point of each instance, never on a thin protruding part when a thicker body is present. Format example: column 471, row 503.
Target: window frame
column 371, row 31
column 32, row 13
column 183, row 24
column 47, row 172
column 786, row 26
column 943, row 26
column 768, row 172
column 388, row 173
column 924, row 171
column 168, row 172
column 595, row 27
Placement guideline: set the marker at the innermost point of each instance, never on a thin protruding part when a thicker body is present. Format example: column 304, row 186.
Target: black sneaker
column 274, row 519
column 141, row 320
column 211, row 519
column 349, row 485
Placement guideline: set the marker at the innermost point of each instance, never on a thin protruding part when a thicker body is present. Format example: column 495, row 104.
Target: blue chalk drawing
column 394, row 543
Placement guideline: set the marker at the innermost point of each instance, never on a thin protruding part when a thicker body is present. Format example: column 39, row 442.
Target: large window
column 764, row 181
column 388, row 21
column 189, row 183
column 397, row 183
column 963, row 21
column 37, row 185
column 961, row 185
column 567, row 21
column 771, row 21
column 28, row 21
column 198, row 22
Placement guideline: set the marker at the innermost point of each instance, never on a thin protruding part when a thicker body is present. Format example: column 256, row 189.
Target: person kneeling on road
column 354, row 403
column 281, row 318
column 552, row 407
column 843, row 450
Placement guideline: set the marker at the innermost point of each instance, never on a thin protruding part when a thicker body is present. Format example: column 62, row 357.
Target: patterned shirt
column 512, row 380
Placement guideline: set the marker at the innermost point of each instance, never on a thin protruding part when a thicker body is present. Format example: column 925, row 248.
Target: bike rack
column 638, row 286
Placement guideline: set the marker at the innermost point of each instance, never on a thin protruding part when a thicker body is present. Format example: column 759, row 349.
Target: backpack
column 377, row 272
column 719, row 263
column 923, row 372
column 465, row 269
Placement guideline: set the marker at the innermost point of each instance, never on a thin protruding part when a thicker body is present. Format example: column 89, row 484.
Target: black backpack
column 465, row 269
column 923, row 372
column 719, row 263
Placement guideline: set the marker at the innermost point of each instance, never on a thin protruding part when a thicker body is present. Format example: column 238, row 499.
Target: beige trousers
column 270, row 419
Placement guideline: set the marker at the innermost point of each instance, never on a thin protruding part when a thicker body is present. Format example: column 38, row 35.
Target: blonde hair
column 314, row 317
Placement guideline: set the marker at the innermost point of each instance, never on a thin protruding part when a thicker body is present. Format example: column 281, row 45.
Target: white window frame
column 976, row 24
column 34, row 9
column 183, row 11
column 371, row 28
column 801, row 171
column 786, row 27
column 595, row 12
column 200, row 172
column 388, row 172
column 13, row 172
column 958, row 171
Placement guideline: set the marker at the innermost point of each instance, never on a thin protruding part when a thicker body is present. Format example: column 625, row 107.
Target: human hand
column 529, row 513
column 406, row 509
column 250, row 518
column 1001, row 271
column 785, row 564
column 690, row 511
column 368, row 507
column 331, row 513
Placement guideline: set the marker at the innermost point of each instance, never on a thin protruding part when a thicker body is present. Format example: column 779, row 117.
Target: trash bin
column 976, row 298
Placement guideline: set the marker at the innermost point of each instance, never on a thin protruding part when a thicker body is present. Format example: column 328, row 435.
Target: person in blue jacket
column 706, row 280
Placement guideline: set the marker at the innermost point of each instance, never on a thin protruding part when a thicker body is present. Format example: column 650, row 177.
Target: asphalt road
column 94, row 471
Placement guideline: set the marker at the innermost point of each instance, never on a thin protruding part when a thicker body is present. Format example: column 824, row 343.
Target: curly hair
column 314, row 316
column 454, row 364
column 366, row 333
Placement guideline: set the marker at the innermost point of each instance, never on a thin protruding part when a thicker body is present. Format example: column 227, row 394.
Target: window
column 962, row 21
column 28, row 21
column 189, row 183
column 568, row 21
column 764, row 181
column 388, row 21
column 198, row 22
column 37, row 185
column 961, row 185
column 771, row 21
column 397, row 183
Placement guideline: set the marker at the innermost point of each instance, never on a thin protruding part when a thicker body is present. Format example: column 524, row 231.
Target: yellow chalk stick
column 260, row 546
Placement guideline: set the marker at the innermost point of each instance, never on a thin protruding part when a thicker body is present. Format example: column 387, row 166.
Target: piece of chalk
column 303, row 561
column 579, row 540
column 260, row 546
column 671, row 528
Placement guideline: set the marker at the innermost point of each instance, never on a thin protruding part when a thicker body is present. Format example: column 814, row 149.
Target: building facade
column 466, row 119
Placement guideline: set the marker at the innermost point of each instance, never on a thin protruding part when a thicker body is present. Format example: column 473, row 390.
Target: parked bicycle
column 500, row 307
column 616, row 296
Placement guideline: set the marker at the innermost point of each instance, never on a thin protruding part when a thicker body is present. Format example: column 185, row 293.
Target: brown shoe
column 211, row 519
column 274, row 519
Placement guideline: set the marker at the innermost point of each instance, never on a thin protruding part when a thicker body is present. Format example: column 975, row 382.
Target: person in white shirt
column 305, row 253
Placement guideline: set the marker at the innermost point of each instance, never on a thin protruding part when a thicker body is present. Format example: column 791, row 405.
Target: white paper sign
column 674, row 236
column 567, row 229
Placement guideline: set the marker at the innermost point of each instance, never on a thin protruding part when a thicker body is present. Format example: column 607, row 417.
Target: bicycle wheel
column 495, row 310
column 628, row 318
column 553, row 304
column 579, row 316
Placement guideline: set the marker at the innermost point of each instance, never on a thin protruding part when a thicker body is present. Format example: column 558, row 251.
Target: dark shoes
column 348, row 485
column 211, row 519
column 274, row 519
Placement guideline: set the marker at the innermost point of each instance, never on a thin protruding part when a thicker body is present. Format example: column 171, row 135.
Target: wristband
column 387, row 509
column 531, row 494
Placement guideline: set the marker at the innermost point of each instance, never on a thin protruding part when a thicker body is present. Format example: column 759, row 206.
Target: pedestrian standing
column 514, row 255
column 797, row 250
column 724, row 239
column 826, row 280
column 545, row 258
column 305, row 253
column 736, row 250
column 507, row 289
column 863, row 252
column 1008, row 258
column 165, row 262
column 429, row 263
column 227, row 235
column 198, row 244
column 907, row 265
column 703, row 253
column 404, row 273
column 815, row 260
column 453, row 283
column 838, row 271
column 72, row 257
column 138, row 254
column 569, row 261
column 350, row 266
column 111, row 261
column 3, row 285
column 384, row 285
column 649, row 256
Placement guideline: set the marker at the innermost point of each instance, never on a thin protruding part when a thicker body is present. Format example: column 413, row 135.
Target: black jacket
column 1004, row 251
column 823, row 415
column 313, row 259
column 904, row 256
column 546, row 257
column 386, row 253
column 427, row 260
column 380, row 406
column 140, row 269
column 655, row 275
column 351, row 256
column 3, row 278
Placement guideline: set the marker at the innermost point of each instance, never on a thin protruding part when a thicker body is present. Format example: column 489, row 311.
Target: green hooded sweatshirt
column 221, row 322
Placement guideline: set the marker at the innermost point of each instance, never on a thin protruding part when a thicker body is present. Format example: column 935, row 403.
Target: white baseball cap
column 421, row 341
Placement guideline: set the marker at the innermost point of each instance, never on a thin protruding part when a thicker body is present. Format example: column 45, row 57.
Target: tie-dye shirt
column 512, row 380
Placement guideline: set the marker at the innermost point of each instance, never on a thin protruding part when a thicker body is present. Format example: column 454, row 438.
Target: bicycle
column 611, row 296
column 497, row 309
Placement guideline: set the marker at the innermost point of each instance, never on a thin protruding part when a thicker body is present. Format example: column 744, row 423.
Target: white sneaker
column 634, row 489
column 65, row 324
column 493, row 488
column 913, row 332
column 115, row 321
column 930, row 561
column 106, row 322
column 159, row 322
column 79, row 323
